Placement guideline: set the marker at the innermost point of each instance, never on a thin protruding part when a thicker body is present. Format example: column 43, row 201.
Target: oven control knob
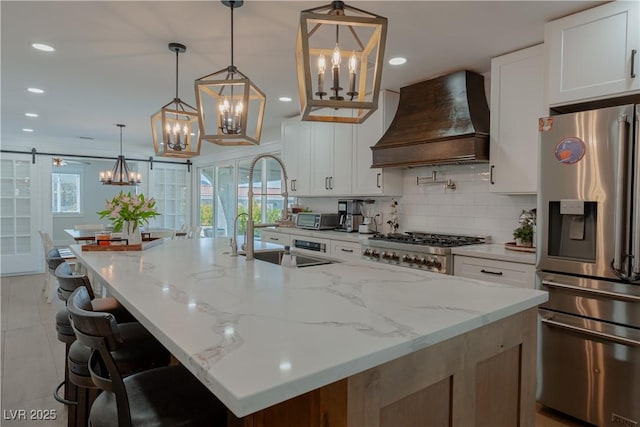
column 437, row 264
column 425, row 261
column 375, row 254
column 429, row 263
column 366, row 252
column 386, row 255
column 406, row 258
column 413, row 259
column 395, row 257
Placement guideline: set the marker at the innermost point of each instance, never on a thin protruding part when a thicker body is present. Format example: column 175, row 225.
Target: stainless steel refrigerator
column 589, row 262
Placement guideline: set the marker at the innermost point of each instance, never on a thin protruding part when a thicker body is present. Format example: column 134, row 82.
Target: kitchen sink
column 275, row 257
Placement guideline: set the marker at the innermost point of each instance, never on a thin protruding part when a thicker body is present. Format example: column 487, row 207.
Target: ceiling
column 112, row 64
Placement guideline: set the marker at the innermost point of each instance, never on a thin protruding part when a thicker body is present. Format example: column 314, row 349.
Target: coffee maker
column 350, row 214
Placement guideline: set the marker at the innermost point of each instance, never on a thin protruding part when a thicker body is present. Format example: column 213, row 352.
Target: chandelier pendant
column 230, row 106
column 175, row 126
column 329, row 36
column 120, row 174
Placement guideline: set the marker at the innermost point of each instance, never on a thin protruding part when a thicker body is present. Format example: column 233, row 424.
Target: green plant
column 126, row 207
column 524, row 233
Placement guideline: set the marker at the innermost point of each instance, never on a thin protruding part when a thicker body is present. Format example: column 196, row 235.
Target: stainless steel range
column 425, row 251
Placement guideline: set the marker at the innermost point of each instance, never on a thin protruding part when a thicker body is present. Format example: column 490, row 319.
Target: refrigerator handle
column 619, row 237
column 635, row 225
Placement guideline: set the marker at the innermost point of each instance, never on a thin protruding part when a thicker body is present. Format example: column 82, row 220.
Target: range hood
column 444, row 120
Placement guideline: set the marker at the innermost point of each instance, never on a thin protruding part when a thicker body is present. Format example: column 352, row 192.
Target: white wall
column 469, row 209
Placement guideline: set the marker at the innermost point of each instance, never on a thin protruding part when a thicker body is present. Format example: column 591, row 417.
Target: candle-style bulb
column 336, row 57
column 322, row 64
column 353, row 63
column 239, row 108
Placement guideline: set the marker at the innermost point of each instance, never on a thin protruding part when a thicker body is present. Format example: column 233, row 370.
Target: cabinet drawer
column 509, row 273
column 276, row 238
column 345, row 250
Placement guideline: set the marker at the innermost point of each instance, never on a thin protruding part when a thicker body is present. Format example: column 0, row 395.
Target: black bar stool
column 166, row 396
column 139, row 349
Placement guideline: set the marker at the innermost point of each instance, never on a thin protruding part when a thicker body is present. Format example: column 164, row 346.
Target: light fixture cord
column 232, row 5
column 177, row 53
column 121, row 126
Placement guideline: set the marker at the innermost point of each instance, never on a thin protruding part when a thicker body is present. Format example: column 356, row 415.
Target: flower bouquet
column 128, row 212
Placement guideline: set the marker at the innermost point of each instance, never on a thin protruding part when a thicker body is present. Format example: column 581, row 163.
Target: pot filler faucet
column 283, row 222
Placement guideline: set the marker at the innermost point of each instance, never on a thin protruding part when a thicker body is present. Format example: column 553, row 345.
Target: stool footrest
column 57, row 397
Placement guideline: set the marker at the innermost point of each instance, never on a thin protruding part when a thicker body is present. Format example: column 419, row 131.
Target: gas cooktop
column 430, row 239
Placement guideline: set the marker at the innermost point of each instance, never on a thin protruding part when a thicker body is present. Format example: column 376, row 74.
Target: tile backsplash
column 469, row 209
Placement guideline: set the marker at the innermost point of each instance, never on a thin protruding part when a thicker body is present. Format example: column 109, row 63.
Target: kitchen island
column 344, row 344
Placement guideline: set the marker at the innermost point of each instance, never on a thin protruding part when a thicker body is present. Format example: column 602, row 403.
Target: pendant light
column 230, row 106
column 120, row 174
column 351, row 49
column 175, row 127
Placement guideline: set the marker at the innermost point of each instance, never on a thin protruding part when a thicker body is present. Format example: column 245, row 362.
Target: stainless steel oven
column 589, row 262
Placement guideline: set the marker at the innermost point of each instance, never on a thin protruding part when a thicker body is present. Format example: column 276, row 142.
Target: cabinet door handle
column 633, row 63
column 346, row 250
column 491, row 175
column 276, row 239
column 330, row 183
column 495, row 273
column 378, row 180
column 326, row 182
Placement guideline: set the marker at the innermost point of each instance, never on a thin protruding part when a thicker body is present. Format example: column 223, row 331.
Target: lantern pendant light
column 120, row 174
column 326, row 36
column 230, row 106
column 175, row 127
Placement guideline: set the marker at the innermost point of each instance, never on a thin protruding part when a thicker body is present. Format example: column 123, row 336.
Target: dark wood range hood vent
column 439, row 121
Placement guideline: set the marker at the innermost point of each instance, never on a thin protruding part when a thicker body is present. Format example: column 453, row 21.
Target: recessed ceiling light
column 284, row 99
column 43, row 47
column 35, row 90
column 397, row 60
column 27, row 130
column 31, row 114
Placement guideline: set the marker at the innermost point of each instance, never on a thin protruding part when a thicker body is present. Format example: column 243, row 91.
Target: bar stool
column 139, row 350
column 166, row 396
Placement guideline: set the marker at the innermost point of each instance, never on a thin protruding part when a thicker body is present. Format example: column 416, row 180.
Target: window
column 267, row 188
column 65, row 191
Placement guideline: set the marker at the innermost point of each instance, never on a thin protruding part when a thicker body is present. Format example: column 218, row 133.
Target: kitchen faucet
column 234, row 240
column 283, row 222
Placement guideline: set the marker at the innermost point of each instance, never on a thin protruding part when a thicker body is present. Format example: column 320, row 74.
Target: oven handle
column 616, row 295
column 607, row 337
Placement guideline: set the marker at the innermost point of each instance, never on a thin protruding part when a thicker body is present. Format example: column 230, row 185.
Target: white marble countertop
column 257, row 334
column 497, row 252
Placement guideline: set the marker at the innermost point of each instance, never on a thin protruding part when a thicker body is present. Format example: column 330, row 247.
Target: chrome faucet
column 283, row 222
column 234, row 239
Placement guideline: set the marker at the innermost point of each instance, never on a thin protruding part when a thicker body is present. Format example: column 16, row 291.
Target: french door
column 20, row 216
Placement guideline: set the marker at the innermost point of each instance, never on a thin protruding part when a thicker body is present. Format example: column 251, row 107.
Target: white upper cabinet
column 369, row 181
column 331, row 159
column 296, row 154
column 517, row 102
column 594, row 54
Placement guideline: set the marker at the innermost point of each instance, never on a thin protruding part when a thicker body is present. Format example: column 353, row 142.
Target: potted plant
column 524, row 235
column 128, row 212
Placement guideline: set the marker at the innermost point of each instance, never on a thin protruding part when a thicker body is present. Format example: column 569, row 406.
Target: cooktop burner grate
column 429, row 239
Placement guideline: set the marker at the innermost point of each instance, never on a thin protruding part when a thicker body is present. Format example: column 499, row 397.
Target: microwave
column 317, row 221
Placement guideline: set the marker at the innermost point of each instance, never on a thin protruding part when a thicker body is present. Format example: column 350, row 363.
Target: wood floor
column 33, row 358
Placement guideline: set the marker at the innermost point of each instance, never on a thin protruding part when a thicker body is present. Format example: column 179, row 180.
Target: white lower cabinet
column 276, row 238
column 345, row 251
column 506, row 272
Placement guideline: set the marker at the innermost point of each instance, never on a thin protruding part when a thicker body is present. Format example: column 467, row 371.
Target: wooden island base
column 485, row 377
